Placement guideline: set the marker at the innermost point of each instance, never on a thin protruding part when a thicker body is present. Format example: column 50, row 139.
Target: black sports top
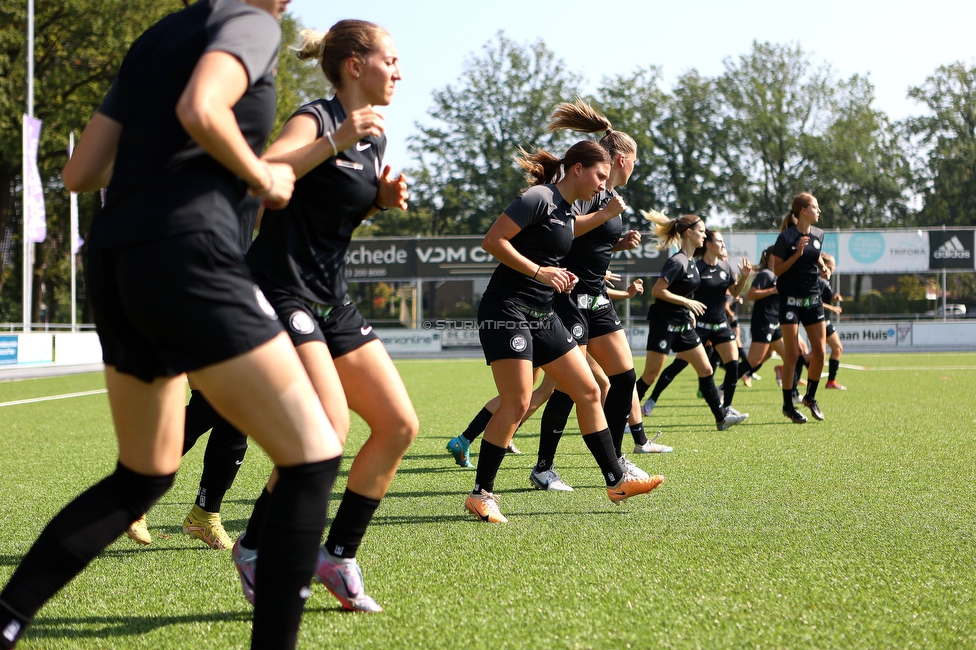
column 303, row 247
column 547, row 222
column 826, row 292
column 163, row 183
column 800, row 280
column 715, row 282
column 768, row 307
column 681, row 274
column 589, row 256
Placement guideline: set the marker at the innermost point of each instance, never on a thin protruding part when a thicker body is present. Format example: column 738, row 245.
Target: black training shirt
column 303, row 247
column 547, row 222
column 768, row 307
column 589, row 257
column 715, row 282
column 800, row 280
column 681, row 274
column 163, row 183
column 826, row 293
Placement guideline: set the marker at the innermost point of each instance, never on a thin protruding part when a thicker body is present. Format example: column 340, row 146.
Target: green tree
column 467, row 173
column 860, row 166
column 946, row 157
column 633, row 103
column 777, row 105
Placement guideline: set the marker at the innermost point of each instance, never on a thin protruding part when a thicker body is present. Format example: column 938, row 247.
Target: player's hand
column 392, row 192
column 614, row 208
column 360, row 123
column 630, row 240
column 697, row 308
column 282, row 185
column 636, row 288
column 610, row 277
column 558, row 278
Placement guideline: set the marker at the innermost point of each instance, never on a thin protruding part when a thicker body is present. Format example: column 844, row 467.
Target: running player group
column 275, row 350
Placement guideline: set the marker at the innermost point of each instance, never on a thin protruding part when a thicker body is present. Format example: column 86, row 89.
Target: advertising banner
column 951, row 249
column 8, row 350
column 883, row 251
column 34, row 215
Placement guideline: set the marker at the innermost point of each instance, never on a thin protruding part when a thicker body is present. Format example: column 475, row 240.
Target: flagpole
column 73, row 202
column 28, row 261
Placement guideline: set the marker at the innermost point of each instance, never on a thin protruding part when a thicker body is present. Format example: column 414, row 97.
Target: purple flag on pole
column 34, row 216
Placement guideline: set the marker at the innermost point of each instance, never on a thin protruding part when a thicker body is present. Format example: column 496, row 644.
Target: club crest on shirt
column 816, row 244
column 518, row 343
column 301, row 322
column 264, row 304
column 722, row 275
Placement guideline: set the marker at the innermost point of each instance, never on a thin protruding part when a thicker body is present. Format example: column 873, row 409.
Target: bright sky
column 896, row 43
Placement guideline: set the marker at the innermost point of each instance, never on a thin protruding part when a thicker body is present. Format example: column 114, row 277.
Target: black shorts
column 763, row 331
column 508, row 332
column 179, row 304
column 830, row 328
column 713, row 335
column 343, row 329
column 585, row 324
column 806, row 311
column 662, row 337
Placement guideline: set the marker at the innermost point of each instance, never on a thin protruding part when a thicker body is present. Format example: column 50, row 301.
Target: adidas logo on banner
column 952, row 250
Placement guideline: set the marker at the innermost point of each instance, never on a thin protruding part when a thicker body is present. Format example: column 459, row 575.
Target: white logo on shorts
column 518, row 343
column 577, row 331
column 366, row 330
column 301, row 322
column 769, row 337
column 790, row 316
column 264, row 304
column 663, row 345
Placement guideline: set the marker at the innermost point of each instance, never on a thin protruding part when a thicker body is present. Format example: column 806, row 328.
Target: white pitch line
column 53, row 397
column 905, row 368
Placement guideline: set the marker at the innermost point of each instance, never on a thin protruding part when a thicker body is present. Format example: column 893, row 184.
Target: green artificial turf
column 856, row 532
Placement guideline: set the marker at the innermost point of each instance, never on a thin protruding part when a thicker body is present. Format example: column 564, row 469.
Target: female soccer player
column 795, row 260
column 672, row 316
column 764, row 327
column 718, row 280
column 176, row 140
column 518, row 328
column 587, row 311
column 827, row 267
column 336, row 147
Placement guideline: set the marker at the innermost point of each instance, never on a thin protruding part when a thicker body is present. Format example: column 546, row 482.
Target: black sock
column 252, row 534
column 744, row 367
column 350, row 523
column 287, row 559
column 834, row 366
column 710, row 393
column 637, row 431
column 812, row 385
column 616, row 409
column 798, row 371
column 731, row 379
column 641, row 388
column 788, row 398
column 221, row 462
column 741, row 354
column 667, row 377
column 755, row 369
column 489, row 461
column 477, row 426
column 714, row 358
column 75, row 537
column 601, row 446
column 200, row 418
column 554, row 418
